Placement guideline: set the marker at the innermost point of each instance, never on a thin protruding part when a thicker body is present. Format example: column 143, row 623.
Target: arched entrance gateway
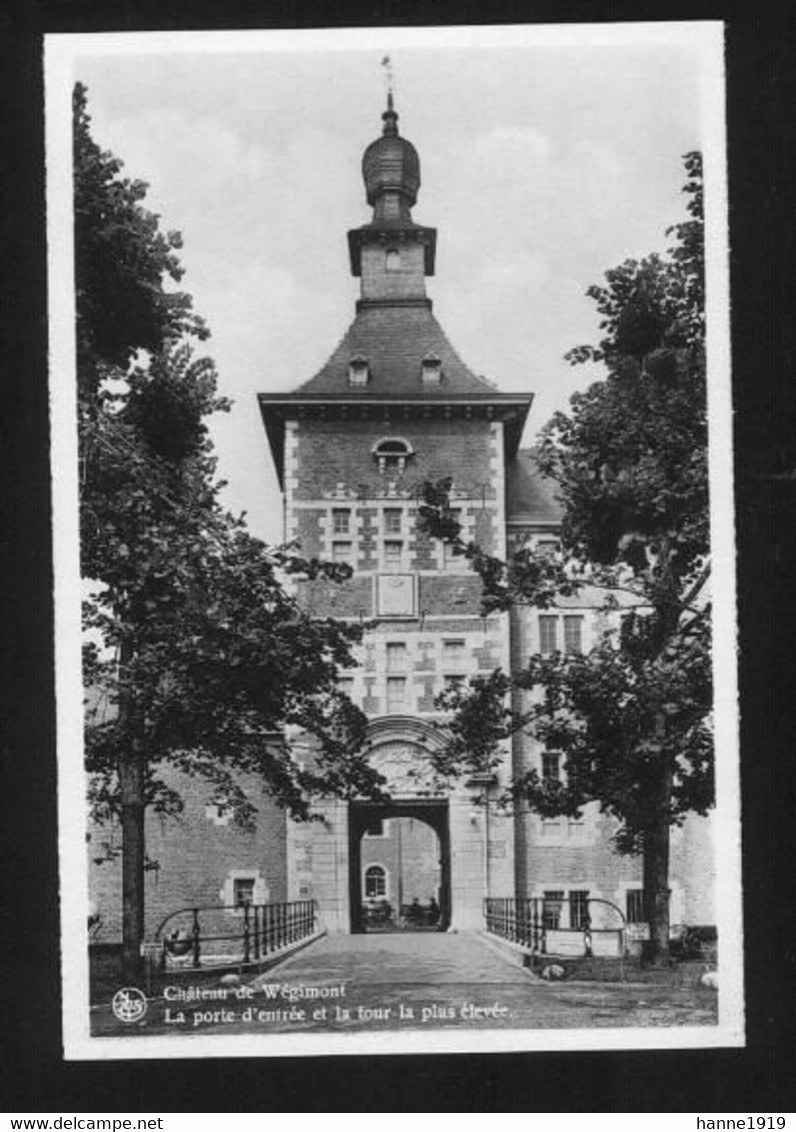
column 408, row 838
column 408, row 887
column 422, row 860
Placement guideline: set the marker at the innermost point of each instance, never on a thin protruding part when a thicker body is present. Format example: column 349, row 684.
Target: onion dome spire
column 391, row 170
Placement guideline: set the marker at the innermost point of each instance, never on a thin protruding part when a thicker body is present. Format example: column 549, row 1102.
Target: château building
column 395, row 406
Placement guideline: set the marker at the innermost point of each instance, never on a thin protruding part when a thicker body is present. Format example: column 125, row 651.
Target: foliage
column 601, row 711
column 198, row 655
column 122, row 264
column 219, row 657
column 631, row 717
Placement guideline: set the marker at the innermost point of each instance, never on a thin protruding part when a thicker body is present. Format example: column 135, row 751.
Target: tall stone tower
column 395, row 406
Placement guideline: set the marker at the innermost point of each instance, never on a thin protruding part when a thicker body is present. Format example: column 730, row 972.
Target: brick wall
column 425, row 659
column 195, row 854
column 331, row 455
column 407, row 280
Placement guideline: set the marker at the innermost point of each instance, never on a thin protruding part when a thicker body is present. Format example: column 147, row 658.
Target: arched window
column 393, row 260
column 392, row 454
column 375, row 882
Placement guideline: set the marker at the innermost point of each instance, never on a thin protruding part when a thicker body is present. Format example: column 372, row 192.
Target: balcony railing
column 215, row 935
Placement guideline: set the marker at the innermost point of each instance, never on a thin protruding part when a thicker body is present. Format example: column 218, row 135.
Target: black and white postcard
column 394, row 553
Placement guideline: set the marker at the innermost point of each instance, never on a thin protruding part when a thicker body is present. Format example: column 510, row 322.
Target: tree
column 631, row 718
column 124, row 265
column 201, row 651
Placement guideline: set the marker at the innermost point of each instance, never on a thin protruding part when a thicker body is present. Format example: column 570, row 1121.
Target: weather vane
column 388, row 74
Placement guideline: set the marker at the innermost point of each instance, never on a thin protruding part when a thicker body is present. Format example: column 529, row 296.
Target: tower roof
column 395, row 340
column 394, row 360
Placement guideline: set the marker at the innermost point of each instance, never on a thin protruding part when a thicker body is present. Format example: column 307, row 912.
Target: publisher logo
column 129, row 1004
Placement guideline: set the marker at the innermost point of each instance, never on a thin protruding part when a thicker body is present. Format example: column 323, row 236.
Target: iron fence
column 553, row 927
column 212, row 935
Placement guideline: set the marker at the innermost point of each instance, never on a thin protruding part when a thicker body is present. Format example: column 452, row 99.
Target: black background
column 761, row 61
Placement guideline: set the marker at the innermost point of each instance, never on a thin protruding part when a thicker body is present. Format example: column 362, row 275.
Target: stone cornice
column 277, row 408
column 385, row 235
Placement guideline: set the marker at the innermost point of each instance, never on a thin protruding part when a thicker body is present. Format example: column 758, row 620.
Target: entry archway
column 365, row 816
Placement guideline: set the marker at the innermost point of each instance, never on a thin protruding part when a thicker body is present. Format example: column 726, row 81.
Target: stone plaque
column 396, row 595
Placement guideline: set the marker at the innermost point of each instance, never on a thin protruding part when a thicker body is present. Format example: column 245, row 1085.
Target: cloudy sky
column 547, row 156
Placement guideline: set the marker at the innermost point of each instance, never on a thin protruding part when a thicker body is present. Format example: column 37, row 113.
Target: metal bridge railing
column 212, row 935
column 545, row 926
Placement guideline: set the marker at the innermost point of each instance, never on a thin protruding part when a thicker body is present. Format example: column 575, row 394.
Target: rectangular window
column 551, row 908
column 448, row 557
column 453, row 655
column 396, row 656
column 341, row 520
column 579, row 909
column 548, row 633
column 551, row 827
column 345, row 684
column 343, row 552
column 242, row 891
column 453, row 681
column 551, row 767
column 634, row 906
column 218, row 813
column 546, row 547
column 396, row 693
column 378, row 827
column 392, row 552
column 573, row 634
column 392, row 520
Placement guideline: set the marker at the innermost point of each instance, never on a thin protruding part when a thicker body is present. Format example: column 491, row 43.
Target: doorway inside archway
column 399, row 857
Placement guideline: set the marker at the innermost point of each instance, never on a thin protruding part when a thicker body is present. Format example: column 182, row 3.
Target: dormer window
column 358, row 371
column 393, row 260
column 391, row 455
column 431, row 371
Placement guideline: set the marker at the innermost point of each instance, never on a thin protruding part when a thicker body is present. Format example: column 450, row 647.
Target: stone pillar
column 468, row 861
column 501, row 853
column 318, row 864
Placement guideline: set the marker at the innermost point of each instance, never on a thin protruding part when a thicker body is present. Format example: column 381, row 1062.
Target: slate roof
column 530, row 496
column 394, row 338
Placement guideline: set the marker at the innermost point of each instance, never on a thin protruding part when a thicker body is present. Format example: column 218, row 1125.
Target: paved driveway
column 451, row 980
column 416, row 981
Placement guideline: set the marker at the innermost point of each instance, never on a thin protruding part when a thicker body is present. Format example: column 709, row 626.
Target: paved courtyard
column 414, row 981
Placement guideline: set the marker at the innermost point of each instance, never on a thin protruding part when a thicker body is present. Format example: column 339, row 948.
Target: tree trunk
column 131, row 789
column 131, row 783
column 655, row 950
